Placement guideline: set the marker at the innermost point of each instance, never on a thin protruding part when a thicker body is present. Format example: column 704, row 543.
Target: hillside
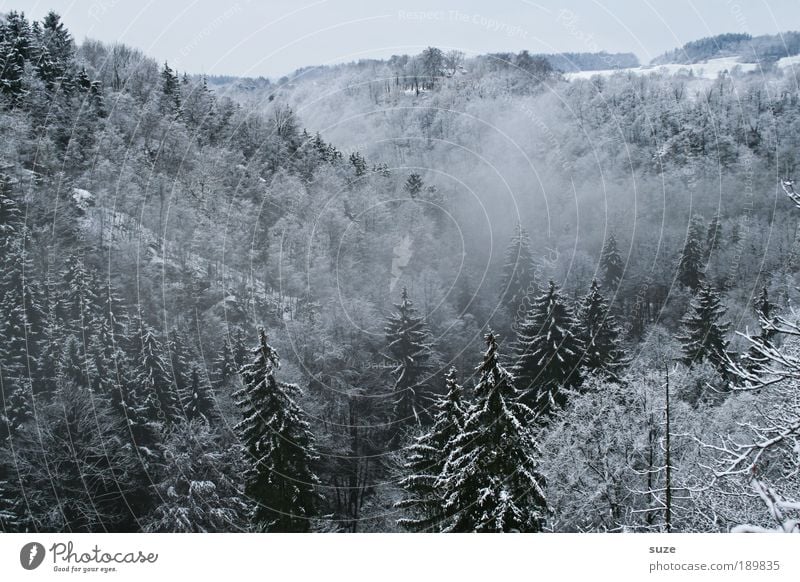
column 362, row 295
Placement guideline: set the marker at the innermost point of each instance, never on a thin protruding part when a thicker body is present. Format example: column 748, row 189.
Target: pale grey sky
column 274, row 37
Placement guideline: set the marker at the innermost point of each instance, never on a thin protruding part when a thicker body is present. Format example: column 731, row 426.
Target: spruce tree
column 714, row 235
column 16, row 405
column 611, row 263
column 409, row 349
column 21, row 309
column 170, row 90
column 15, row 44
column 548, row 351
column 690, row 264
column 600, row 334
column 225, row 366
column 413, row 185
column 199, row 403
column 79, row 303
column 180, row 358
column 491, row 481
column 519, row 270
column 279, row 444
column 239, row 349
column 426, row 457
column 155, row 389
column 359, row 164
column 703, row 335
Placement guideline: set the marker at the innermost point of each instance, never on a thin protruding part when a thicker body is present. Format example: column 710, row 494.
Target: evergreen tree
column 413, row 185
column 15, row 48
column 599, row 333
column 426, row 458
column 10, row 215
column 225, row 366
column 74, row 366
column 491, row 481
column 170, row 90
column 21, row 309
column 54, row 51
column 410, row 350
column 16, row 405
column 75, row 472
column 199, row 403
column 108, row 361
column 519, row 271
column 79, row 302
column 690, row 264
column 714, row 236
column 239, row 349
column 611, row 263
column 155, row 391
column 201, row 490
column 548, row 351
column 180, row 356
column 703, row 335
column 279, row 444
column 359, row 164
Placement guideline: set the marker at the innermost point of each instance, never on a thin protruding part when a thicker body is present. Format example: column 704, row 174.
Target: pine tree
column 519, row 272
column 280, row 446
column 107, row 347
column 10, row 215
column 55, row 51
column 79, row 304
column 170, row 89
column 426, row 458
column 359, row 164
column 21, row 307
column 491, row 481
column 15, row 43
column 611, row 263
column 548, row 351
column 714, row 236
column 239, row 349
column 155, row 391
column 180, row 357
column 16, row 405
column 600, row 334
column 413, row 185
column 703, row 335
column 410, row 350
column 199, row 403
column 225, row 366
column 74, row 366
column 690, row 264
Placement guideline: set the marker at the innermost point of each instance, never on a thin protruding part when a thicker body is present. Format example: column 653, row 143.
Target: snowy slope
column 707, row 70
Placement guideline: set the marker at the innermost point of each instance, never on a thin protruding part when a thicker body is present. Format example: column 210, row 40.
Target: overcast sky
column 274, row 37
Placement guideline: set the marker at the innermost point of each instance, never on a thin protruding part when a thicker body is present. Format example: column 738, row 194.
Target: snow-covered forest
column 438, row 292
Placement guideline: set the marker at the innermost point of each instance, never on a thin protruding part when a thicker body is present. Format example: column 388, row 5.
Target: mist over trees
column 437, row 292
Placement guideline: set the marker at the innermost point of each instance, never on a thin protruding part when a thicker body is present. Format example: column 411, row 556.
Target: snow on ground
column 786, row 62
column 707, row 70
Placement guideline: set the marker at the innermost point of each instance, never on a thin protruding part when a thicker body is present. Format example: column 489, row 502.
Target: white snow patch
column 707, row 70
column 83, row 198
column 786, row 62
